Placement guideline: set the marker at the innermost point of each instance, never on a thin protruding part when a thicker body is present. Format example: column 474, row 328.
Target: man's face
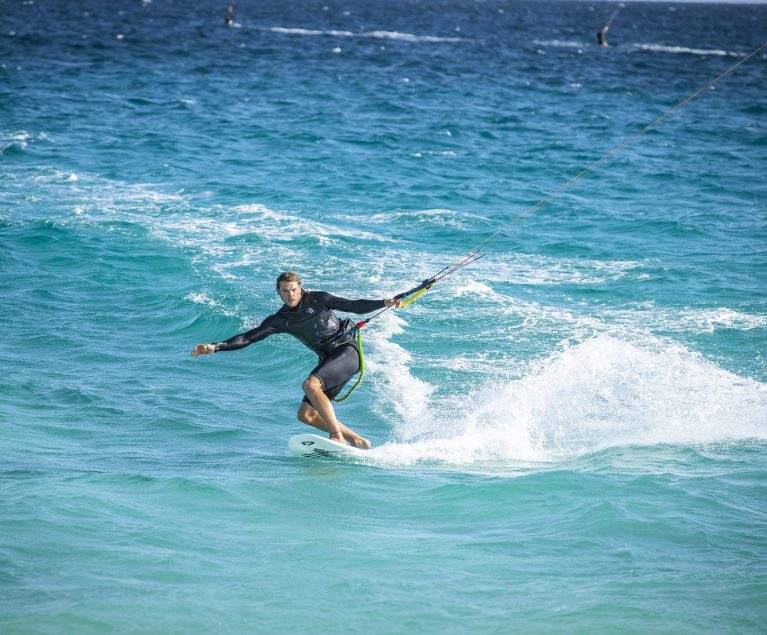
column 290, row 293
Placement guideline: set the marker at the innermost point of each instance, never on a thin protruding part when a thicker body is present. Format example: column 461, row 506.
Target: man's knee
column 312, row 385
column 306, row 413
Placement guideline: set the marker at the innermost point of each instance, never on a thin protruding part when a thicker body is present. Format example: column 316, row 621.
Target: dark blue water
column 569, row 435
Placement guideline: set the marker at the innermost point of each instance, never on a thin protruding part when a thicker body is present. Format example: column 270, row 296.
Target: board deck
column 315, row 445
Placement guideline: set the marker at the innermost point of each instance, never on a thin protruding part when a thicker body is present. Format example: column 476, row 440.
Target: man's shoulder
column 316, row 296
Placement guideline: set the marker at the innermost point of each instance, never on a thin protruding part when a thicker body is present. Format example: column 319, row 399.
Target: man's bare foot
column 337, row 437
column 360, row 442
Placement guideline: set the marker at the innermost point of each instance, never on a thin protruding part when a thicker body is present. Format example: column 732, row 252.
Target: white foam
column 389, row 366
column 285, row 225
column 409, row 37
column 297, row 31
column 434, row 153
column 560, row 43
column 380, row 35
column 477, row 282
column 662, row 48
column 203, row 298
column 18, row 138
column 602, row 393
column 624, row 322
column 654, row 48
column 429, row 217
column 527, row 269
column 542, row 270
column 688, row 320
column 174, row 218
column 473, row 288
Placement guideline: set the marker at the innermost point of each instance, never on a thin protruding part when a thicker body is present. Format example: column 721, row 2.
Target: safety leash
column 362, row 366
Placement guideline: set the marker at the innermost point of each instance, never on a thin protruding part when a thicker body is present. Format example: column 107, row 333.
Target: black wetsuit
column 315, row 325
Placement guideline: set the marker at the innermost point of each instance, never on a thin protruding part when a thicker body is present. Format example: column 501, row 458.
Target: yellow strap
column 416, row 295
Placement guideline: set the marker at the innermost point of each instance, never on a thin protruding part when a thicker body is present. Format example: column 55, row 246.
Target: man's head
column 289, row 288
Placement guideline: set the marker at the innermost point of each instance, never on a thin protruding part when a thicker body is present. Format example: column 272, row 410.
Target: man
column 308, row 316
column 601, row 36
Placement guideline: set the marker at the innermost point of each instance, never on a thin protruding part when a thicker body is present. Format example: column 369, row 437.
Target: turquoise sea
column 570, row 435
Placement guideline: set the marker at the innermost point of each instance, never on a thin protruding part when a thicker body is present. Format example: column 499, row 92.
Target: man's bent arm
column 336, row 303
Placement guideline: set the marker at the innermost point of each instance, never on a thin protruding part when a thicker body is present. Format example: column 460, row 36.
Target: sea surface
column 570, row 434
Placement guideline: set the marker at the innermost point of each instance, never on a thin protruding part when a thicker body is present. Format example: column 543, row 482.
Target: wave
column 479, row 285
column 546, row 270
column 689, row 321
column 650, row 47
column 233, row 236
column 602, row 393
column 616, row 321
column 380, row 35
column 662, row 48
column 431, row 218
column 205, row 299
column 398, row 388
column 568, row 44
column 231, row 241
column 17, row 140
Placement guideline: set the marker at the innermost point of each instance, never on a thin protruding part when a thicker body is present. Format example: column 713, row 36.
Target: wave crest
column 602, row 393
column 379, row 35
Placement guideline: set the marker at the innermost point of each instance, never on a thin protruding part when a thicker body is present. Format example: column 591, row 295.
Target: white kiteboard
column 315, row 445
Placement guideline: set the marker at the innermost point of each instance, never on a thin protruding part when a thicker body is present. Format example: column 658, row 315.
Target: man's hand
column 392, row 302
column 203, row 349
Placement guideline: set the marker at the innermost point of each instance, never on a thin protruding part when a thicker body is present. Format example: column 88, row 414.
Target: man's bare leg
column 308, row 415
column 320, row 414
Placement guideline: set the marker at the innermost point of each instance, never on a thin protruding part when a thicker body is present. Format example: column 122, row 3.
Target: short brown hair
column 288, row 276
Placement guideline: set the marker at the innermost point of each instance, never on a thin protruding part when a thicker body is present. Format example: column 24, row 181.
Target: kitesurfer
column 308, row 316
column 601, row 36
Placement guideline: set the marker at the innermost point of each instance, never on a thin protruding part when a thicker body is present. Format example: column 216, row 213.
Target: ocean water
column 570, row 435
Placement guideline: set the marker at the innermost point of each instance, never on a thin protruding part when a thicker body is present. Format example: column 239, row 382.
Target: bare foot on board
column 360, row 442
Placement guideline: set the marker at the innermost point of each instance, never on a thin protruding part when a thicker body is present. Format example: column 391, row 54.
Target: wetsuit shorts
column 337, row 368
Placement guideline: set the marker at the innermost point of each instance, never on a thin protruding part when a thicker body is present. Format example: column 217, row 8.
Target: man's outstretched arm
column 268, row 327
